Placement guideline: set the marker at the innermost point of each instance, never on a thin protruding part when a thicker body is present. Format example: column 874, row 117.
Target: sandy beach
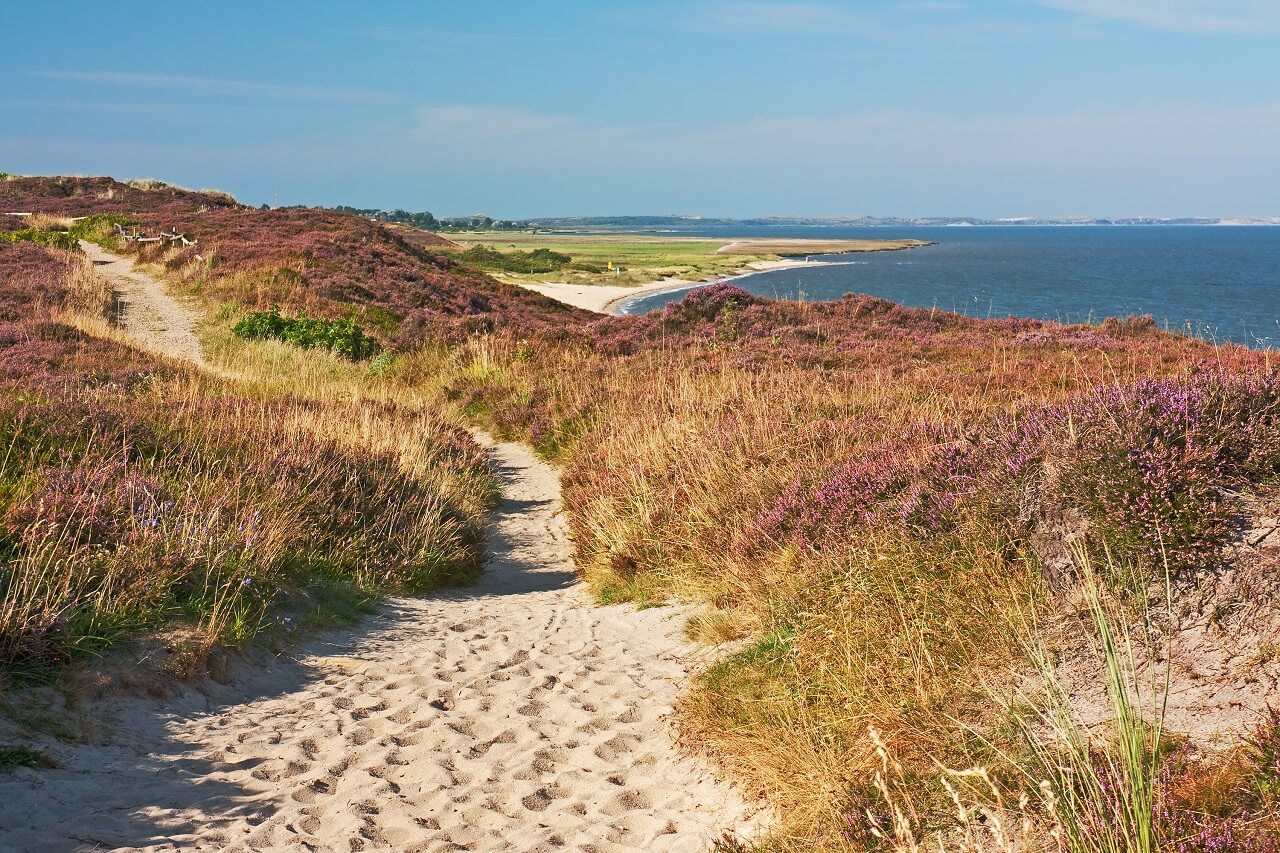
column 607, row 299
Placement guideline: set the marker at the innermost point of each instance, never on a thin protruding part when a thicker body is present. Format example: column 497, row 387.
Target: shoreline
column 608, row 299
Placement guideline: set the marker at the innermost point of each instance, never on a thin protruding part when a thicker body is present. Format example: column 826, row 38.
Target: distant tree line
column 425, row 220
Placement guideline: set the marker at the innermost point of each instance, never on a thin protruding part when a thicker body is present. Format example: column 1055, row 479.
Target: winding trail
column 510, row 715
column 145, row 310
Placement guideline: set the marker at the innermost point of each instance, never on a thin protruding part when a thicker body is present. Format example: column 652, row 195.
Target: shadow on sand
column 146, row 787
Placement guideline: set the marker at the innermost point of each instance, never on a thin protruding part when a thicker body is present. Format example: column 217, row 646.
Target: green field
column 642, row 258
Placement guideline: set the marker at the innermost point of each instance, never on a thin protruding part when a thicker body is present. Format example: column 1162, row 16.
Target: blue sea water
column 1219, row 282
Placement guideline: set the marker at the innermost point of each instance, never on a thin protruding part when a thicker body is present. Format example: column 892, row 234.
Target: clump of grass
column 1105, row 792
column 46, row 222
column 712, row 627
column 100, row 228
column 1114, row 786
column 23, row 756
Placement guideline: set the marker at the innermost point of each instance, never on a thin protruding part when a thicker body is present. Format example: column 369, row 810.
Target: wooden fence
column 171, row 235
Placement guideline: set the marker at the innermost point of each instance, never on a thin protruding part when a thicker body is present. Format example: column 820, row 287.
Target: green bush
column 537, row 261
column 344, row 337
column 99, row 228
column 55, row 239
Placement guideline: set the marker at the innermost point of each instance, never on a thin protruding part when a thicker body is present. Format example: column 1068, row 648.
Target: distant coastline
column 679, row 224
column 608, row 299
column 611, row 299
column 1214, row 283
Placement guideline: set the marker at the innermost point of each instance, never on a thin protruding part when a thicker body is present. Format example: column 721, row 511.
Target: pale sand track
column 145, row 310
column 510, row 715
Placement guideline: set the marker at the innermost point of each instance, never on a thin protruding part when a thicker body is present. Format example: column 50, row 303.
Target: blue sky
column 711, row 107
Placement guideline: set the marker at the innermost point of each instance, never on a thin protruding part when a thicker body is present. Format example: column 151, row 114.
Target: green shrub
column 54, row 239
column 537, row 261
column 22, row 756
column 381, row 364
column 99, row 228
column 344, row 337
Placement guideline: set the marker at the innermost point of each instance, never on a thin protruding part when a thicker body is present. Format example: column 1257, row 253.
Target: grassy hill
column 139, row 498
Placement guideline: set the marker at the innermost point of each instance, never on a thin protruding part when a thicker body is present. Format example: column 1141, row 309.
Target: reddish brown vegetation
column 866, row 485
column 85, row 196
column 315, row 262
column 135, row 494
column 324, row 263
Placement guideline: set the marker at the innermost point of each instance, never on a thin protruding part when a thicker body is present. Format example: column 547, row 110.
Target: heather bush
column 37, row 282
column 126, row 509
column 1154, row 468
column 1217, row 803
column 82, row 196
column 1155, row 465
column 137, row 496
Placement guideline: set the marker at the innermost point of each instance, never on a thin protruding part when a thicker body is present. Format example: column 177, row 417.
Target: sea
column 1219, row 282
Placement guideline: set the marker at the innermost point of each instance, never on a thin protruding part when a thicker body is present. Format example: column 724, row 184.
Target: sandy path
column 510, row 715
column 145, row 310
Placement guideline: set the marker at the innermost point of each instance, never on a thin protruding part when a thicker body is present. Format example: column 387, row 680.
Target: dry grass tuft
column 137, row 495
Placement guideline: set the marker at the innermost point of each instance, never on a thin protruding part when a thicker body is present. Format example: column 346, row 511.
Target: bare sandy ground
column 145, row 310
column 510, row 715
column 606, row 299
column 602, row 298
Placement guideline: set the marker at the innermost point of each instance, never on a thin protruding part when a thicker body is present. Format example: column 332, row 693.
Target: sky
column 701, row 107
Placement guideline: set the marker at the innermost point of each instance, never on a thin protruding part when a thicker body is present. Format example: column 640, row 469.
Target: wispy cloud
column 1239, row 17
column 1083, row 161
column 92, row 106
column 931, row 6
column 762, row 16
column 426, row 35
column 1148, row 160
column 218, row 86
column 478, row 123
column 903, row 22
